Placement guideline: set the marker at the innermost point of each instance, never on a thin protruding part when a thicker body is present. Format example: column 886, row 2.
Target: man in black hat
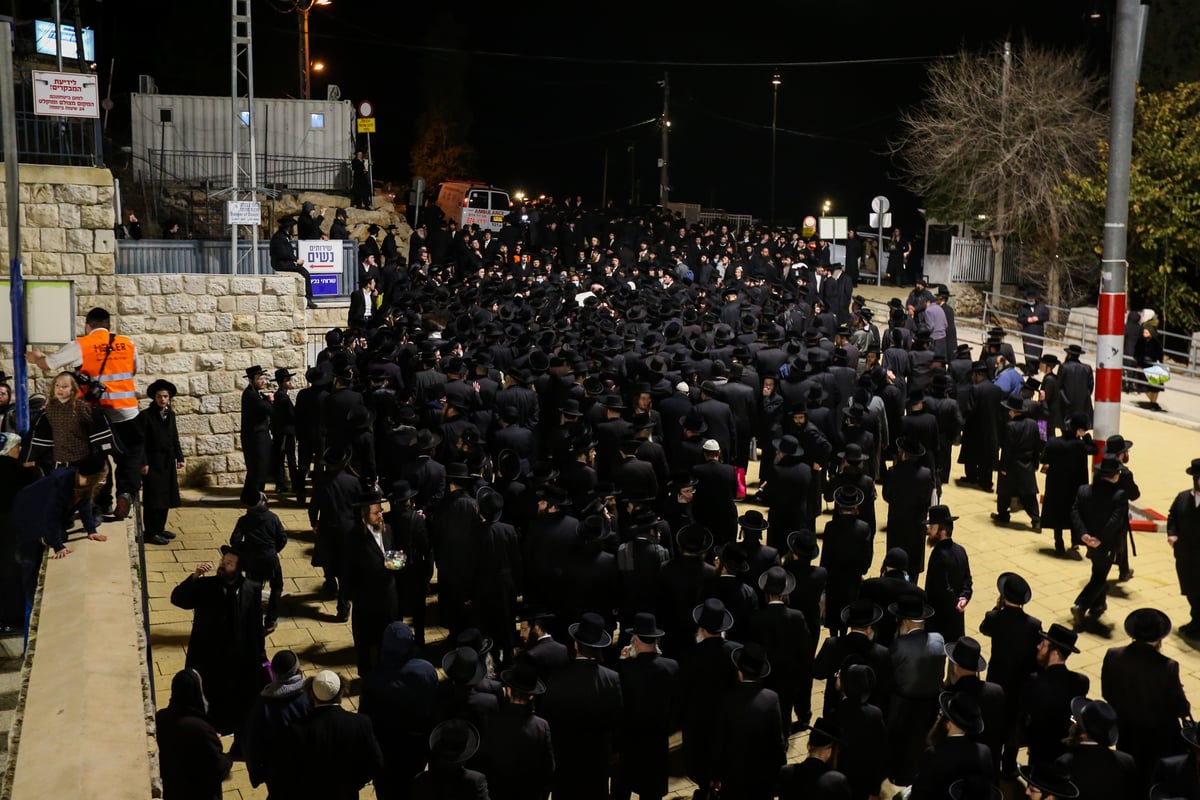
column 1019, row 456
column 256, row 433
column 1015, row 637
column 953, row 754
column 729, row 586
column 547, row 542
column 788, row 640
column 1179, row 776
column 716, row 488
column 284, row 257
column 948, row 582
column 283, row 434
column 649, row 689
column 918, row 665
column 787, row 492
column 453, row 528
column 706, row 671
column 452, row 744
column 1046, row 698
column 337, row 405
column 1049, row 782
column 307, row 419
column 1033, row 316
column 862, row 753
column 1095, row 767
column 226, row 644
column 1065, row 463
column 499, row 571
column 1078, row 383
column 1145, row 690
column 680, row 587
column 846, row 553
column 891, row 584
column 259, row 538
column 1119, row 446
column 1100, row 518
column 1183, row 534
column 966, row 663
column 370, row 579
column 751, row 742
column 546, row 653
column 333, row 502
column 516, row 752
column 908, row 488
column 164, row 459
column 814, row 777
column 584, row 706
column 856, row 645
column 983, row 413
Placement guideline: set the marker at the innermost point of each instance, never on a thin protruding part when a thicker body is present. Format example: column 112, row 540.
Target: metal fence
column 972, row 261
column 1181, row 354
column 212, row 257
column 274, row 171
column 734, row 221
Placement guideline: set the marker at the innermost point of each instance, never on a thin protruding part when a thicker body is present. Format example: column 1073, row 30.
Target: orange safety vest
column 119, row 389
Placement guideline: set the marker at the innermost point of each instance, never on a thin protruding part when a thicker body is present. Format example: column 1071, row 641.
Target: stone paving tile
column 1161, row 453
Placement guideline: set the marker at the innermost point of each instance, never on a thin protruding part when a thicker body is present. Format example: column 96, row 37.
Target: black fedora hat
column 963, row 710
column 427, row 440
column 911, row 446
column 553, row 495
column 336, row 457
column 753, row 520
column 975, row 787
column 693, row 539
column 453, row 742
column 463, row 666
column 777, row 581
column 1061, row 637
column 712, row 616
column 1097, row 719
column 803, row 543
column 1014, row 588
column 848, row 496
column 402, row 490
column 1109, row 465
column 861, row 613
column 788, row 445
column 1147, row 625
column 693, row 422
column 255, row 371
column 523, row 678
column 474, row 639
column 911, row 607
column 939, row 515
column 1051, row 778
column 1194, row 469
column 967, row 653
column 1117, row 444
column 161, row 385
column 854, row 454
column 645, row 626
column 858, row 680
column 825, row 732
column 590, row 631
column 751, row 661
column 733, row 558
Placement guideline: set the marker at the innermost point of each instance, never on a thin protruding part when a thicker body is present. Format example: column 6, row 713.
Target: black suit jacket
column 952, row 759
column 751, row 742
column 1047, row 710
column 516, row 755
column 1101, row 773
column 786, row 636
column 329, row 735
column 549, row 656
column 948, row 578
column 1143, row 687
column 583, row 704
column 635, row 478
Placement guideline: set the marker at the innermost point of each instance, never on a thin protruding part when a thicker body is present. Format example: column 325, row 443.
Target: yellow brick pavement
column 1161, row 452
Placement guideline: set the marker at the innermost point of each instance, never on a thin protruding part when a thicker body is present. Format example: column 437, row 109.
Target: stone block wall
column 200, row 332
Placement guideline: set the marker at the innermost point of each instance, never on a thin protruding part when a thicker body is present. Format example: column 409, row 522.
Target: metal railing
column 274, row 171
column 972, row 261
column 1181, row 354
column 212, row 257
column 734, row 221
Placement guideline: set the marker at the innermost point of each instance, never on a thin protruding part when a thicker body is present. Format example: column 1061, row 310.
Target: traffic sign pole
column 366, row 123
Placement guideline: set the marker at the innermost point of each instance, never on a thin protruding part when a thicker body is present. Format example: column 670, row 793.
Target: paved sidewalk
column 1161, row 452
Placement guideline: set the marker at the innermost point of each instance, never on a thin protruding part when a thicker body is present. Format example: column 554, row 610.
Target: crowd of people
column 563, row 429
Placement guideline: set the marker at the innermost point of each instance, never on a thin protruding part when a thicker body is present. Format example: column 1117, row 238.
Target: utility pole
column 998, row 236
column 664, row 185
column 305, row 82
column 243, row 183
column 775, row 81
column 1128, row 30
column 16, row 287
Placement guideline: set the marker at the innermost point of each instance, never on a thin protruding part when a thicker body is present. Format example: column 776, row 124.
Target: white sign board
column 65, row 94
column 243, row 212
column 832, row 227
column 49, row 312
column 44, row 35
column 323, row 260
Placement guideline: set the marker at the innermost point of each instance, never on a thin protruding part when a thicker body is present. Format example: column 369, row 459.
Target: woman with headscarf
column 1148, row 352
column 191, row 759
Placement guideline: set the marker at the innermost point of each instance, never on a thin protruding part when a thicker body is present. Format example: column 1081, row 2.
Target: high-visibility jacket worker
column 119, row 401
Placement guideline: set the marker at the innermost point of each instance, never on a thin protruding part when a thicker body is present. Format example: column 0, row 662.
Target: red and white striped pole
column 1110, row 338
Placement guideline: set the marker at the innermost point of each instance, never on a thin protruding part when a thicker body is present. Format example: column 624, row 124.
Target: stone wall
column 198, row 331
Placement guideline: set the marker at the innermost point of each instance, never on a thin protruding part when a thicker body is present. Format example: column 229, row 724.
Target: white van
column 473, row 203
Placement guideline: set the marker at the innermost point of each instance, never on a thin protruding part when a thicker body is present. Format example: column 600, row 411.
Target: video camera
column 93, row 390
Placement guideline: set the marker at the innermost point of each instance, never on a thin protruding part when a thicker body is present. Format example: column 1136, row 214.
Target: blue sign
column 325, row 285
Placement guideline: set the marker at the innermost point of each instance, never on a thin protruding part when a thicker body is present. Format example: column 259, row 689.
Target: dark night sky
column 543, row 122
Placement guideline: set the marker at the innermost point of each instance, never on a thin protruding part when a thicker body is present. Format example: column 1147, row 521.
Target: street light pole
column 775, row 81
column 302, row 20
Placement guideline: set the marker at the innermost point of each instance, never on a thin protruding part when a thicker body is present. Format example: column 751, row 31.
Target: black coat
column 583, row 704
column 993, row 705
column 1020, row 453
column 716, row 490
column 1046, row 710
column 1183, row 522
column 335, row 414
column 191, row 759
column 454, row 782
column 1015, row 637
column 751, row 742
column 853, row 645
column 1076, row 384
column 847, row 554
column 1143, row 687
column 788, row 639
column 950, row 760
column 226, row 645
column 516, row 754
column 981, row 406
column 739, row 599
column 680, row 589
column 635, row 478
column 883, row 591
column 650, row 691
column 330, row 753
column 1101, row 510
column 549, row 656
column 706, row 672
column 787, row 494
column 1102, row 773
column 370, row 585
column 908, row 489
column 948, row 579
column 1066, row 460
column 160, row 484
column 862, row 754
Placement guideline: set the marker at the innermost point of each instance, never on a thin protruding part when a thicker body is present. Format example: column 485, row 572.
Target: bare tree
column 996, row 139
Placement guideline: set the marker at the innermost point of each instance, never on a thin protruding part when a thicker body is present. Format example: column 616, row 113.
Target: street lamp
column 775, row 82
column 303, row 7
column 826, row 207
column 318, row 66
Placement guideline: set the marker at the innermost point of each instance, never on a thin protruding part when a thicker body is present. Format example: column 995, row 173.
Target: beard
column 931, row 539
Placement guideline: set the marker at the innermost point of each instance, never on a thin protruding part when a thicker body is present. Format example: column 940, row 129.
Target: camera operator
column 112, row 360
